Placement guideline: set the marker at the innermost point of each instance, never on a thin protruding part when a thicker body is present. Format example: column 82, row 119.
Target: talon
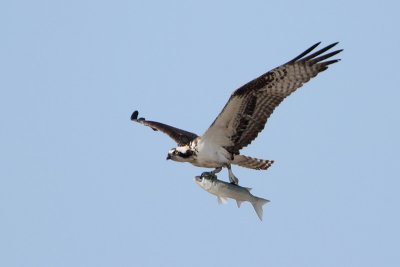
column 209, row 175
column 232, row 178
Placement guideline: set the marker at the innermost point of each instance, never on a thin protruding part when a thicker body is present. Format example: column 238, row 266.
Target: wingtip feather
column 134, row 115
column 317, row 44
column 305, row 52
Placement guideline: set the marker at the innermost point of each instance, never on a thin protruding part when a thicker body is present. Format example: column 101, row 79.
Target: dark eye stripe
column 186, row 155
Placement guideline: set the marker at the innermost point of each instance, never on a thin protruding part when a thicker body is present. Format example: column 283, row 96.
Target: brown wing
column 181, row 137
column 250, row 106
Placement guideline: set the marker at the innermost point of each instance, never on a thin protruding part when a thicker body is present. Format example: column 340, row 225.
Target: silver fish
column 224, row 190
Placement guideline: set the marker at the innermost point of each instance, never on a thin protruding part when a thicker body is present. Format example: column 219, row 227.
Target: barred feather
column 249, row 107
column 252, row 163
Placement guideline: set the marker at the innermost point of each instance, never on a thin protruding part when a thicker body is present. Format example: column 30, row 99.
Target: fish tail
column 258, row 203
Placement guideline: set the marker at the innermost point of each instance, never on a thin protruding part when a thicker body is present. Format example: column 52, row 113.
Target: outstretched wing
column 250, row 106
column 181, row 137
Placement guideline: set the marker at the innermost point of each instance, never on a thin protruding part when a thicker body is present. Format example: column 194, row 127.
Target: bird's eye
column 176, row 152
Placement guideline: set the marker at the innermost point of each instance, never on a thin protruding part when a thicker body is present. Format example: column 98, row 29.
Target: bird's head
column 181, row 154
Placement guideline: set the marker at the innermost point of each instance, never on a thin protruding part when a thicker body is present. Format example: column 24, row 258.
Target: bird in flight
column 244, row 116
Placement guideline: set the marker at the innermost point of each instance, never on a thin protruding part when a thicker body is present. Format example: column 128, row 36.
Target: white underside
column 211, row 156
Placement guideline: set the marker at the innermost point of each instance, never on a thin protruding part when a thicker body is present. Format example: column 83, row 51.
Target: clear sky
column 81, row 185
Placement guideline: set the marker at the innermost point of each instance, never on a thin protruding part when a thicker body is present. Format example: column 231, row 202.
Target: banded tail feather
column 252, row 163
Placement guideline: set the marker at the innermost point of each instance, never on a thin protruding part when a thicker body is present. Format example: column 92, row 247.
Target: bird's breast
column 211, row 156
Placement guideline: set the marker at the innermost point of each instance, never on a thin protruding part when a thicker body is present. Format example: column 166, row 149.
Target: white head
column 181, row 154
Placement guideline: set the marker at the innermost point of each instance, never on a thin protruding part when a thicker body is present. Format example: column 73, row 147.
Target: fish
column 223, row 190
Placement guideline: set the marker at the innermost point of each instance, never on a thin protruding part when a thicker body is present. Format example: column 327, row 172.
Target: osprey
column 244, row 116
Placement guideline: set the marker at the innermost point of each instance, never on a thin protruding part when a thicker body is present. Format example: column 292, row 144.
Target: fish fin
column 258, row 204
column 222, row 200
column 248, row 188
column 238, row 202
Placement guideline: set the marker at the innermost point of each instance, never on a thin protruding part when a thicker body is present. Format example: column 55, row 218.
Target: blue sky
column 81, row 185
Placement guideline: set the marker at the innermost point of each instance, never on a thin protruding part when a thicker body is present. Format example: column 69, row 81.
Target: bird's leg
column 232, row 178
column 217, row 170
column 212, row 173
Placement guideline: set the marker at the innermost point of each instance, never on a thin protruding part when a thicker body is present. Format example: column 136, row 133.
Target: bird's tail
column 252, row 163
column 258, row 203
